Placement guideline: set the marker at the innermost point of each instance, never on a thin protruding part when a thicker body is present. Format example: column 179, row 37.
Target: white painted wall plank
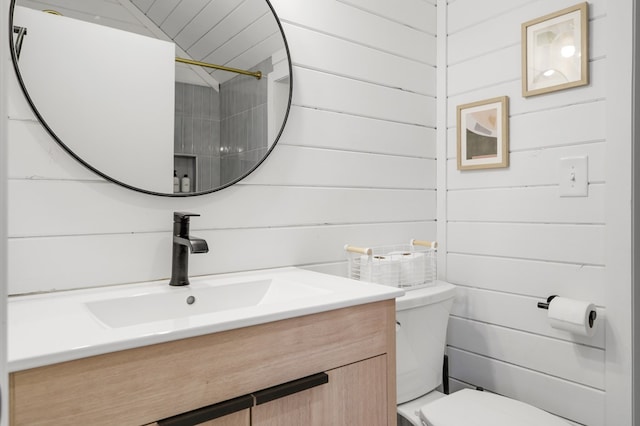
column 289, row 165
column 322, row 52
column 582, row 244
column 466, row 13
column 570, row 400
column 528, row 277
column 467, row 76
column 325, row 129
column 577, row 363
column 528, row 204
column 242, row 206
column 340, row 94
column 344, row 21
column 414, row 13
column 519, row 313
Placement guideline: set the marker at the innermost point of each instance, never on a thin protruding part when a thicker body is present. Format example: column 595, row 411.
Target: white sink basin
column 199, row 298
column 57, row 327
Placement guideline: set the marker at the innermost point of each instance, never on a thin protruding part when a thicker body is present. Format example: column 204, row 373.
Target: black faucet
column 182, row 244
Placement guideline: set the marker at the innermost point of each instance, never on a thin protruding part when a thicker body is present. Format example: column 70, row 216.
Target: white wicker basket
column 404, row 265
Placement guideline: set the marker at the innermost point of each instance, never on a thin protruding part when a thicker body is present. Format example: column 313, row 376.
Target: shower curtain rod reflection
column 256, row 74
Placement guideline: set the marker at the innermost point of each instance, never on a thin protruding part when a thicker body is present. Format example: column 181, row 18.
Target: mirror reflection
column 169, row 97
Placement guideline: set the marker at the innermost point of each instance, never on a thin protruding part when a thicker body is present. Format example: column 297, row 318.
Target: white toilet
column 421, row 331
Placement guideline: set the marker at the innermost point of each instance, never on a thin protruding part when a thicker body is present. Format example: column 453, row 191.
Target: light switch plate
column 574, row 177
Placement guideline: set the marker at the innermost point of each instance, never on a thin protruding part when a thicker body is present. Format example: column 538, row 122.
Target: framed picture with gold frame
column 483, row 134
column 555, row 51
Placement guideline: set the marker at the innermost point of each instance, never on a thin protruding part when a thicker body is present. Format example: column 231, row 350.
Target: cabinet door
column 356, row 394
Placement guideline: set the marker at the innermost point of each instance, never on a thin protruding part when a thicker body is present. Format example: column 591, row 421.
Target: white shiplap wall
column 511, row 240
column 355, row 164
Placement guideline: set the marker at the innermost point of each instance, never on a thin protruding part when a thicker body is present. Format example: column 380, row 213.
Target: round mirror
column 171, row 97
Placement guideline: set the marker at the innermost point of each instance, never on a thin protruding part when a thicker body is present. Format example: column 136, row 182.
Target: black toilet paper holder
column 543, row 305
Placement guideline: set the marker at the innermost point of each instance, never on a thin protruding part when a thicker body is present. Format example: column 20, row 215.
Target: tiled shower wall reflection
column 197, row 133
column 243, row 122
column 225, row 132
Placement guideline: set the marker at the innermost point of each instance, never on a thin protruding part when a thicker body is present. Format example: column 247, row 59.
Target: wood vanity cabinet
column 353, row 347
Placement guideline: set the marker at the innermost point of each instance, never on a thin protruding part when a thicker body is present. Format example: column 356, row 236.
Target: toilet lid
column 471, row 407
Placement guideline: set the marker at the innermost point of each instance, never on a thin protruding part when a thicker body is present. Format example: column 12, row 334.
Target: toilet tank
column 422, row 316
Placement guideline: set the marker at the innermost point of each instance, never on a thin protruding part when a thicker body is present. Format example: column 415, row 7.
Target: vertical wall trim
column 4, row 57
column 618, row 213
column 635, row 289
column 441, row 123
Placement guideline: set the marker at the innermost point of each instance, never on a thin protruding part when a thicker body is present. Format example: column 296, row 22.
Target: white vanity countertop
column 56, row 327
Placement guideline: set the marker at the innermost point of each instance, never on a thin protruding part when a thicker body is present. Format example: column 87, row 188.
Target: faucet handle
column 183, row 216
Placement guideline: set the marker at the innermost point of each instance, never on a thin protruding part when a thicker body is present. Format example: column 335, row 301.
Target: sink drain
column 191, row 300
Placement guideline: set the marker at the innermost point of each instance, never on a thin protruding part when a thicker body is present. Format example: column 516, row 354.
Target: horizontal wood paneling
column 322, row 52
column 576, row 363
column 525, row 277
column 580, row 403
column 418, row 14
column 361, row 98
column 540, row 204
column 288, row 165
column 511, row 239
column 326, row 129
column 466, row 13
column 464, row 77
column 349, row 23
column 563, row 243
column 519, row 313
column 243, row 206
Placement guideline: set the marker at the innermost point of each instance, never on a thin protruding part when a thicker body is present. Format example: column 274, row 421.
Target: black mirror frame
column 14, row 60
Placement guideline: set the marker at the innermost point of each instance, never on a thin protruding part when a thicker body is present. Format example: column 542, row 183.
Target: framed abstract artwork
column 555, row 51
column 483, row 134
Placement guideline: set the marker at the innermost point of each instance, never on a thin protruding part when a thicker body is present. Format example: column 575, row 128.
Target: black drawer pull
column 201, row 415
column 289, row 388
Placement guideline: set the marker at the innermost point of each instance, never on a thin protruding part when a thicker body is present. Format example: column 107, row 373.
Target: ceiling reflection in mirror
column 146, row 91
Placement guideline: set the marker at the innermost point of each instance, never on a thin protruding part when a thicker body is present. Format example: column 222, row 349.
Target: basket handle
column 359, row 250
column 431, row 244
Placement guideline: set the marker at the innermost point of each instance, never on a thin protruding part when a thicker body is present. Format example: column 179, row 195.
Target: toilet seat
column 471, row 407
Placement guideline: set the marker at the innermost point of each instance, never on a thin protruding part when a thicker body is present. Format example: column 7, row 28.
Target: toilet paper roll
column 380, row 270
column 412, row 268
column 572, row 316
